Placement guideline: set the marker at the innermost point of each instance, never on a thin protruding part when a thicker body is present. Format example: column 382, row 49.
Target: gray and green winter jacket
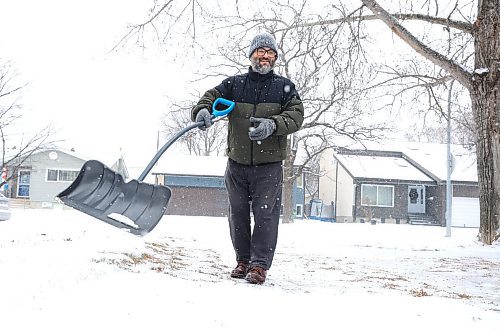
column 268, row 96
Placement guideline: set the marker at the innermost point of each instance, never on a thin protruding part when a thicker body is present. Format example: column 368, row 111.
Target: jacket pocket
column 269, row 145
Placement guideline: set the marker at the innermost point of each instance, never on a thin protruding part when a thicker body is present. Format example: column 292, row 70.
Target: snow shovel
column 135, row 206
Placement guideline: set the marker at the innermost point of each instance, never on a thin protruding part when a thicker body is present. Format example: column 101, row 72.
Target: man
column 268, row 108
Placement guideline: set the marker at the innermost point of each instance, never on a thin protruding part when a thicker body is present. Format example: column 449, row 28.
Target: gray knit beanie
column 263, row 39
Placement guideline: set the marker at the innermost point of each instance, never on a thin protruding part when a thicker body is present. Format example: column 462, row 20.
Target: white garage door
column 465, row 212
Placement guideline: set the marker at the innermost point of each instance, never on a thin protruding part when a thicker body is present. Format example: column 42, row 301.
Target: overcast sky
column 99, row 101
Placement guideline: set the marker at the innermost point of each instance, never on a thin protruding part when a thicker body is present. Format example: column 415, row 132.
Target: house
column 400, row 183
column 197, row 184
column 42, row 176
column 46, row 173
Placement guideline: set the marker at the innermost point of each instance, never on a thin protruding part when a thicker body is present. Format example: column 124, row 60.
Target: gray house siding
column 298, row 198
column 196, row 195
column 42, row 192
column 435, row 203
column 197, row 201
column 434, row 209
column 399, row 211
column 466, row 190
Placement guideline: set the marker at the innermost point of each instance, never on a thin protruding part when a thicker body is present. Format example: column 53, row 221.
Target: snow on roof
column 433, row 157
column 430, row 156
column 386, row 167
column 71, row 153
column 74, row 154
column 191, row 165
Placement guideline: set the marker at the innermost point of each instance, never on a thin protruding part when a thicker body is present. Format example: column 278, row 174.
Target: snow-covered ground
column 63, row 270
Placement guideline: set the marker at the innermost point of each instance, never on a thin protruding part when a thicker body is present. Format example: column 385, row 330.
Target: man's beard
column 261, row 68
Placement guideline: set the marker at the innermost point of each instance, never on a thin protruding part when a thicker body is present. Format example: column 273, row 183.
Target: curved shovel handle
column 216, row 113
column 228, row 103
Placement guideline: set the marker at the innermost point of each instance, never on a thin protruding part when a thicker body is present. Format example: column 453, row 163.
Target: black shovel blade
column 100, row 192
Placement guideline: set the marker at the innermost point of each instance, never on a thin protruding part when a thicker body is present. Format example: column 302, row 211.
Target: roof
column 385, row 167
column 433, row 157
column 71, row 153
column 191, row 165
column 416, row 161
column 74, row 154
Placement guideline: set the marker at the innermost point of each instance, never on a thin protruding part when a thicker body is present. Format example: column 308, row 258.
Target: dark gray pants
column 257, row 188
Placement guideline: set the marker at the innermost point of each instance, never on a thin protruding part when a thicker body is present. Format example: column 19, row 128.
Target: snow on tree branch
column 462, row 26
column 456, row 70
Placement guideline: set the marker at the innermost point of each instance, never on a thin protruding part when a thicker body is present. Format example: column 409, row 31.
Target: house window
column 51, row 175
column 298, row 210
column 23, row 186
column 377, row 195
column 67, row 175
column 300, row 181
column 55, row 175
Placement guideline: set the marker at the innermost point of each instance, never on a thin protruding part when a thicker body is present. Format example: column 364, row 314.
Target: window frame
column 52, row 172
column 299, row 182
column 376, row 204
column 58, row 176
column 301, row 206
column 23, row 186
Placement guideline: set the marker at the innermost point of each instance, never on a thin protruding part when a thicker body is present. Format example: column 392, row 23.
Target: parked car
column 4, row 208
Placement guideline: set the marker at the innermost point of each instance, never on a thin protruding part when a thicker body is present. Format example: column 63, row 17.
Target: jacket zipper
column 253, row 114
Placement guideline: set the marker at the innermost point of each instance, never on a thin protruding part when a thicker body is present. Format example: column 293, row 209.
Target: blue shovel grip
column 230, row 106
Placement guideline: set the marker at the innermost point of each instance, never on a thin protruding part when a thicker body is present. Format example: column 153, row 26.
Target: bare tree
column 326, row 66
column 15, row 146
column 483, row 83
column 195, row 142
column 433, row 128
column 481, row 79
column 325, row 62
column 470, row 54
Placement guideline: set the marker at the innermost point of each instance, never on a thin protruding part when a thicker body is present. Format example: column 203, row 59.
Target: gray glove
column 265, row 128
column 204, row 116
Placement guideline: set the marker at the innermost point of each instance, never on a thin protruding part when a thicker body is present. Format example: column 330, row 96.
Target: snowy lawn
column 63, row 270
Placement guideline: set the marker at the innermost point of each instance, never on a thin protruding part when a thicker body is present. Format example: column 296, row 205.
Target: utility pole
column 449, row 167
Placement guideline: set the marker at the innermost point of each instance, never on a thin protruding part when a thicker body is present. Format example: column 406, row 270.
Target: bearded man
column 268, row 108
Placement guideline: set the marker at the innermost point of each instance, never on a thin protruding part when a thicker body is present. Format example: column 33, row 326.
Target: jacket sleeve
column 223, row 90
column 291, row 118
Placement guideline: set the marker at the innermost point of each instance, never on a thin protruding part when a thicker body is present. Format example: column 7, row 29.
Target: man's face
column 263, row 60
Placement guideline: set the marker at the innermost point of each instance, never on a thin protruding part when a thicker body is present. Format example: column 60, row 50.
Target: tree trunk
column 288, row 180
column 484, row 89
column 485, row 96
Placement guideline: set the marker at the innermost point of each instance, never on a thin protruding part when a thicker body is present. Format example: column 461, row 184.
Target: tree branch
column 459, row 73
column 459, row 25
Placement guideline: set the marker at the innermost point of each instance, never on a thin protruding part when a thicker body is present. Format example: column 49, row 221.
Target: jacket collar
column 256, row 76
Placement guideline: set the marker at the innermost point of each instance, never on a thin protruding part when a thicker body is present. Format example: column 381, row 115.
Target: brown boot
column 256, row 275
column 240, row 271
